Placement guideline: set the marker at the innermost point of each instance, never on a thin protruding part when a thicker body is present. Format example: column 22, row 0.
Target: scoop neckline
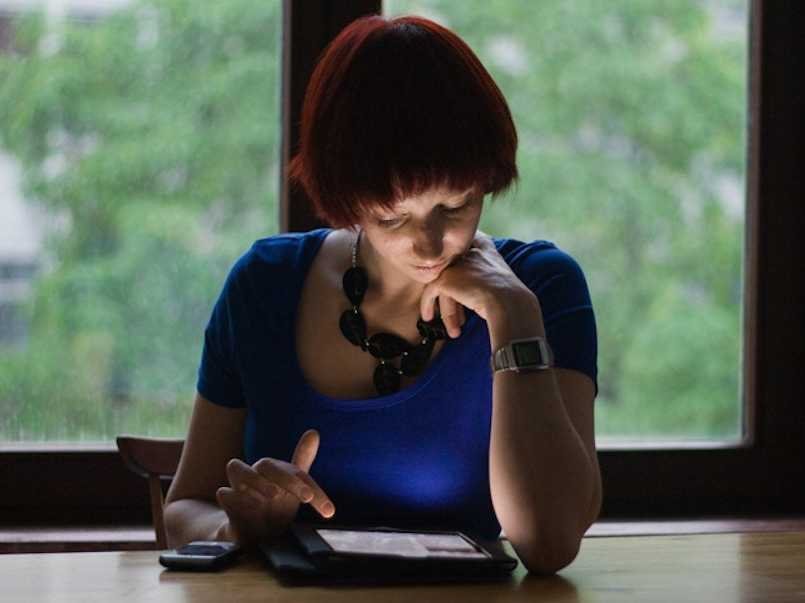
column 366, row 403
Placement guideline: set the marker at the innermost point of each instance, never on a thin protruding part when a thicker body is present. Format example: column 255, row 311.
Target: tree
column 154, row 131
column 632, row 122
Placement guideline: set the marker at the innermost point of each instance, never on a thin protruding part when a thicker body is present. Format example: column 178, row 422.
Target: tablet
column 386, row 554
column 418, row 545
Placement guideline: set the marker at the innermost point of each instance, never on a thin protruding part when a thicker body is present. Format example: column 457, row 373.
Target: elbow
column 171, row 518
column 188, row 519
column 546, row 549
column 177, row 519
column 549, row 558
column 595, row 503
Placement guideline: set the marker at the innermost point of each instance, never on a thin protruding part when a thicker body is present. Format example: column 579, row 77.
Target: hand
column 263, row 498
column 480, row 280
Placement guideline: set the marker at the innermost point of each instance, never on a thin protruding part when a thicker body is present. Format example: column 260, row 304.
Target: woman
column 346, row 371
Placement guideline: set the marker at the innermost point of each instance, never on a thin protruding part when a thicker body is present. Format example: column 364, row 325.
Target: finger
column 296, row 482
column 242, row 478
column 285, row 476
column 305, row 453
column 462, row 318
column 428, row 304
column 239, row 504
column 306, row 449
column 450, row 318
column 484, row 240
column 223, row 495
column 320, row 501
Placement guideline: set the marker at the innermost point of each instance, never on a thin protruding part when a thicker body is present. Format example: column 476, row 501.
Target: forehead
column 433, row 195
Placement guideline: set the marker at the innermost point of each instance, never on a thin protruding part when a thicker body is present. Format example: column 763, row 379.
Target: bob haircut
column 396, row 107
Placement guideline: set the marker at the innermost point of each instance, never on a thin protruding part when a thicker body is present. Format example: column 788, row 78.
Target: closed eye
column 455, row 210
column 388, row 222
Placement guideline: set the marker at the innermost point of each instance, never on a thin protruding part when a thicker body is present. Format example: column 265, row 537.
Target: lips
column 432, row 267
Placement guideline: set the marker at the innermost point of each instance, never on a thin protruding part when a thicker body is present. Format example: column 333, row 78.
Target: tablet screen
column 405, row 544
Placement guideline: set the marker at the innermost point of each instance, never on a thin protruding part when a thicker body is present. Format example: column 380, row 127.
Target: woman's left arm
column 543, row 468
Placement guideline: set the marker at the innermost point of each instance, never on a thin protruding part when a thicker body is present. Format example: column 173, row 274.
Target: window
column 763, row 475
column 151, row 130
column 632, row 124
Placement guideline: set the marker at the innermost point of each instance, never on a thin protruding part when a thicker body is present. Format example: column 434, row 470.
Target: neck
column 388, row 288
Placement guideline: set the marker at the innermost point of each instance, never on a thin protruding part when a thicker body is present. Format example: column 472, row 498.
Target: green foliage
column 682, row 365
column 154, row 133
column 631, row 116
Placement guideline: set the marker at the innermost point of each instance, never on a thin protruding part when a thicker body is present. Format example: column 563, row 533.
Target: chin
column 425, row 277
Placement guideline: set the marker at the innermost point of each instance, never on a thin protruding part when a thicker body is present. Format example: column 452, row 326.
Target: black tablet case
column 294, row 566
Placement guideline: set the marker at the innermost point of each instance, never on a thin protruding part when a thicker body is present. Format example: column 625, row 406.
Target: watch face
column 527, row 353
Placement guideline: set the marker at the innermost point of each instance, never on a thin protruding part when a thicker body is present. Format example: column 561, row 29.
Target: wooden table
column 715, row 568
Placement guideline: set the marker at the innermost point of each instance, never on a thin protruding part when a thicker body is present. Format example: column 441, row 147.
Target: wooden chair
column 155, row 459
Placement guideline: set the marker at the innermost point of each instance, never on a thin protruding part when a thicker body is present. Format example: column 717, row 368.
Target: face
column 429, row 230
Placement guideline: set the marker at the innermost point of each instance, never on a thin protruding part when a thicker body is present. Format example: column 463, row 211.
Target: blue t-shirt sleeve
column 567, row 311
column 219, row 374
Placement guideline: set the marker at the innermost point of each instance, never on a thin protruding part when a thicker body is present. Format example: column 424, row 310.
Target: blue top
column 414, row 458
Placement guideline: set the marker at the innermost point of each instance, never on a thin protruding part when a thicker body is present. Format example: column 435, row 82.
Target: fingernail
column 307, row 494
column 328, row 508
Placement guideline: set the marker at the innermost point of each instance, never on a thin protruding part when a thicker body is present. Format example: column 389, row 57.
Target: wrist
column 516, row 316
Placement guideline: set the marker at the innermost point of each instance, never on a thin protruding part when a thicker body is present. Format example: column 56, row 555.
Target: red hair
column 396, row 107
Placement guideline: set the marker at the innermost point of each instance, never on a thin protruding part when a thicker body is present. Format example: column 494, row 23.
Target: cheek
column 393, row 249
column 397, row 248
column 463, row 236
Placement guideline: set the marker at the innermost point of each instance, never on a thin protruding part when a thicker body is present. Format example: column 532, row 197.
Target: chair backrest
column 155, row 459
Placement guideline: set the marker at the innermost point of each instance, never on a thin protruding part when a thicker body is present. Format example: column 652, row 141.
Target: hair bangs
column 395, row 108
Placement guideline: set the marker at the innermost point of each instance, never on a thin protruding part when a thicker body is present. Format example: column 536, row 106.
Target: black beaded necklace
column 385, row 346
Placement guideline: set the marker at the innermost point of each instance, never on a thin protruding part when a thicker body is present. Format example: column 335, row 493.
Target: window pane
column 138, row 159
column 632, row 125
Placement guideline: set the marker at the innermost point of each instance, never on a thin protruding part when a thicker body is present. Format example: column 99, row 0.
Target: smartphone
column 200, row 555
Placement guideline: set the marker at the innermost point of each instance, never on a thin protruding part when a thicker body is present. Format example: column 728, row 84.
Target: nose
column 428, row 243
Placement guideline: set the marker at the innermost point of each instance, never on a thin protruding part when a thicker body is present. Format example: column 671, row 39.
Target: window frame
column 60, row 484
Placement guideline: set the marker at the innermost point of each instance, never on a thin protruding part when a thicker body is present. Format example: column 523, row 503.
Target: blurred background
column 139, row 157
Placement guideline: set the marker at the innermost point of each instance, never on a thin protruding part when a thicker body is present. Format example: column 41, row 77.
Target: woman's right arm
column 216, row 496
column 191, row 511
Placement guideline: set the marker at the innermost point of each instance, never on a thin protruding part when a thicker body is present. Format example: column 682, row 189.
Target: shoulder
column 276, row 257
column 283, row 250
column 268, row 275
column 538, row 261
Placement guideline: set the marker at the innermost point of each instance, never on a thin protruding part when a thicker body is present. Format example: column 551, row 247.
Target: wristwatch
column 523, row 355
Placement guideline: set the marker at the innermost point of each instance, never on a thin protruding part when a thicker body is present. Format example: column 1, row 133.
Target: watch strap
column 505, row 359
